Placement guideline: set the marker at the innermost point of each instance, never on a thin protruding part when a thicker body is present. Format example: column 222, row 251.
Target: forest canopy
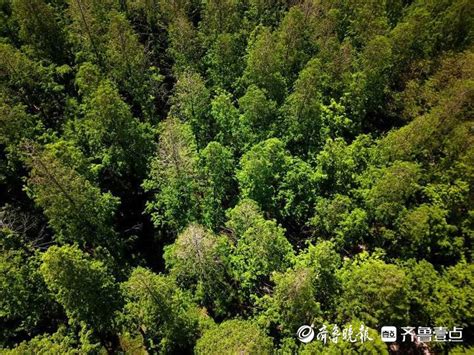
column 207, row 176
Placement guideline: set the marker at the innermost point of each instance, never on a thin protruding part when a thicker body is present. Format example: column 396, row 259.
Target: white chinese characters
column 421, row 334
column 333, row 334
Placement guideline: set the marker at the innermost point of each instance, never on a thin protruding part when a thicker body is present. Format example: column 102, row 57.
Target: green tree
column 455, row 291
column 427, row 234
column 339, row 164
column 377, row 64
column 219, row 17
column 127, row 64
column 262, row 170
column 294, row 43
column 88, row 28
column 295, row 300
column 198, row 261
column 264, row 64
column 279, row 182
column 216, row 166
column 364, row 20
column 61, row 342
column 308, row 293
column 15, row 125
column 185, row 46
column 226, row 118
column 340, row 220
column 391, row 189
column 151, row 12
column 437, row 296
column 302, row 110
column 40, row 29
column 174, row 177
column 420, row 35
column 24, row 299
column 370, row 287
column 77, row 211
column 124, row 53
column 267, row 12
column 111, row 135
column 88, row 79
column 323, row 261
column 223, row 59
column 259, row 117
column 234, row 336
column 297, row 193
column 72, row 275
column 260, row 246
column 162, row 313
column 33, row 84
column 191, row 103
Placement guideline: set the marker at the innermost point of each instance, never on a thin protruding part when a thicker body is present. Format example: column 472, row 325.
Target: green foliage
column 39, row 28
column 298, row 192
column 268, row 13
column 262, row 169
column 226, row 118
column 223, row 59
column 457, row 286
column 185, row 46
column 426, row 232
column 295, row 299
column 189, row 186
column 308, row 121
column 198, row 261
column 340, row 164
column 88, row 78
column 59, row 342
column 323, row 260
column 32, row 84
column 191, row 104
column 260, row 246
column 173, row 176
column 338, row 219
column 281, row 184
column 110, row 134
column 127, row 65
column 264, row 64
column 377, row 63
column 437, row 297
column 259, row 115
column 305, row 294
column 293, row 41
column 88, row 27
column 161, row 312
column 77, row 211
column 234, row 336
column 275, row 163
column 124, row 53
column 25, row 301
column 219, row 17
column 72, row 275
column 370, row 287
column 216, row 165
column 15, row 125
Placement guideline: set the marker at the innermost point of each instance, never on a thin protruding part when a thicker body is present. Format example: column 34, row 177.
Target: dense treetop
column 187, row 176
